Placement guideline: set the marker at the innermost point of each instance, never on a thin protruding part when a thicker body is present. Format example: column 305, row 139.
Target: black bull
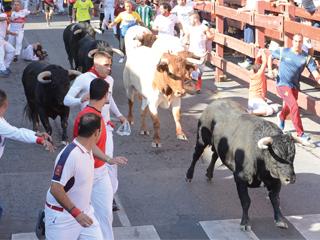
column 255, row 150
column 45, row 86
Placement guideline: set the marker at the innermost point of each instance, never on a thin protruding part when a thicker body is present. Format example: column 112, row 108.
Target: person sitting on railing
column 292, row 62
column 257, row 103
column 248, row 32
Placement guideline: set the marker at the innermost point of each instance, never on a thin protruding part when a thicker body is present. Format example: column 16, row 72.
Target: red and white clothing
column 14, row 133
column 17, row 21
column 183, row 13
column 7, row 51
column 165, row 25
column 74, row 169
column 197, row 39
column 28, row 54
column 105, row 180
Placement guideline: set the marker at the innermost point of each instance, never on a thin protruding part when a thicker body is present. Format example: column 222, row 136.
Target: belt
column 60, row 209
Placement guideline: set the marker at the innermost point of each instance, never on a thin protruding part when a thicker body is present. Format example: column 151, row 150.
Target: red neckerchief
column 94, row 71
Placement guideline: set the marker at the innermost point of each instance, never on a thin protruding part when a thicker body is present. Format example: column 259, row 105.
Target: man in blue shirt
column 292, row 62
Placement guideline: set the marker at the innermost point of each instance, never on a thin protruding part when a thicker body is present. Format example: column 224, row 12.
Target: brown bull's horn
column 43, row 75
column 74, row 72
column 118, row 51
column 264, row 142
column 77, row 31
column 92, row 52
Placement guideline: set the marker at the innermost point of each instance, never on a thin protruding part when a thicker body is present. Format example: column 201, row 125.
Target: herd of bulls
column 255, row 150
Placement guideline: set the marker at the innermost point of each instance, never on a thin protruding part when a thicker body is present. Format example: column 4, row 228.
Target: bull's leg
column 156, row 126
column 210, row 168
column 143, row 128
column 242, row 189
column 45, row 121
column 198, row 150
column 64, row 125
column 274, row 190
column 130, row 113
column 176, row 108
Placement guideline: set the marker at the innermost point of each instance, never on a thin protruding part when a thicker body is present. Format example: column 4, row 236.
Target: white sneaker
column 121, row 60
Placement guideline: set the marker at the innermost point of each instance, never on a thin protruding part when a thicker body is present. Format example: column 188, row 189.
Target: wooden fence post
column 219, row 48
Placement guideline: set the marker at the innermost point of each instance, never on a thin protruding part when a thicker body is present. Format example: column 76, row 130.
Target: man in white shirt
column 164, row 22
column 78, row 95
column 183, row 12
column 108, row 9
column 18, row 134
column 68, row 210
column 7, row 51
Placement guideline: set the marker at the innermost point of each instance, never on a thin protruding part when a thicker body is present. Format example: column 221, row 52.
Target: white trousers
column 7, row 52
column 109, row 13
column 101, row 199
column 16, row 41
column 112, row 169
column 61, row 225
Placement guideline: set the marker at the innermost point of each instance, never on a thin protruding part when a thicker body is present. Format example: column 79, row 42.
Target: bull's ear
column 162, row 66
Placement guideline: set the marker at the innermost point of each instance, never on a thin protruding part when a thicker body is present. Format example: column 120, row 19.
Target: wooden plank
column 301, row 12
column 236, row 2
column 235, row 44
column 268, row 21
column 273, row 34
column 204, row 6
column 233, row 14
column 307, row 31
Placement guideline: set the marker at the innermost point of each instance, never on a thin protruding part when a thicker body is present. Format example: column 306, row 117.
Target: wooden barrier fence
column 270, row 22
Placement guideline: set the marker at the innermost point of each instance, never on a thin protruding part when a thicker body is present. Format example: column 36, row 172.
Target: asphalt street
column 153, row 191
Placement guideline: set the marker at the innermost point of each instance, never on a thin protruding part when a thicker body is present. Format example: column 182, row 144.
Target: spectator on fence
column 248, row 32
column 127, row 19
column 257, row 103
column 292, row 62
column 164, row 23
column 146, row 13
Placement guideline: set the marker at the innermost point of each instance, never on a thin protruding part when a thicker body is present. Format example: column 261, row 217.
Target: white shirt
column 108, row 4
column 183, row 14
column 28, row 54
column 81, row 86
column 197, row 39
column 3, row 27
column 165, row 25
column 18, row 20
column 74, row 162
column 19, row 134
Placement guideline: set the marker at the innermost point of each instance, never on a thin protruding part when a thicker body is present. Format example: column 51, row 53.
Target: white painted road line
column 24, row 236
column 227, row 230
column 136, row 233
column 307, row 225
column 123, row 218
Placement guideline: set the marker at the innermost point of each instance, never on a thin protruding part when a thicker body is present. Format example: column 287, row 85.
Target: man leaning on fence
column 292, row 62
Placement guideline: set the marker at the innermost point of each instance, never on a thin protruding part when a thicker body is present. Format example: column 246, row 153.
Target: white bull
column 159, row 80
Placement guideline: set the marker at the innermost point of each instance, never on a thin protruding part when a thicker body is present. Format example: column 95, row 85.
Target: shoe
column 121, row 60
column 40, row 225
column 244, row 64
column 4, row 73
column 115, row 206
column 281, row 123
column 15, row 59
column 304, row 139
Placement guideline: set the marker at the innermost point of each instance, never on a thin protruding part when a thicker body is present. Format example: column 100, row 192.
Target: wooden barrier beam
column 204, row 6
column 235, row 44
column 268, row 22
column 236, row 2
column 301, row 12
column 233, row 14
column 307, row 31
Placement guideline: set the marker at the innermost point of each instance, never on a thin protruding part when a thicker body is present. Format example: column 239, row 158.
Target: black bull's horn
column 47, row 74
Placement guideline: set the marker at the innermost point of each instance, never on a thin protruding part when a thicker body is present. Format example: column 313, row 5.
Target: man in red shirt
column 102, row 192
